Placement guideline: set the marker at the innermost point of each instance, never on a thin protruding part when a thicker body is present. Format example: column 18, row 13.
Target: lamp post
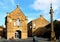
column 53, row 37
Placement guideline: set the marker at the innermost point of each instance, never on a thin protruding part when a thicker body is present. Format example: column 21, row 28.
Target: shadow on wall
column 30, row 29
column 45, row 32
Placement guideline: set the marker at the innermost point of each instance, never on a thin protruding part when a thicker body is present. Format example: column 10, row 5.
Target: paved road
column 27, row 40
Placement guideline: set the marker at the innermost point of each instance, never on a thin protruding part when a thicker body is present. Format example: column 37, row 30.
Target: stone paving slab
column 26, row 40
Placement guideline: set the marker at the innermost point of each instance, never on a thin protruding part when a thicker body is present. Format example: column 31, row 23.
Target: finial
column 51, row 9
column 18, row 6
column 7, row 13
column 41, row 15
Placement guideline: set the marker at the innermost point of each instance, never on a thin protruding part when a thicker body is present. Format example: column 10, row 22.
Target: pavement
column 25, row 40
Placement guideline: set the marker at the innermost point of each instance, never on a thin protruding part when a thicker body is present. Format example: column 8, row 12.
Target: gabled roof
column 15, row 12
column 41, row 20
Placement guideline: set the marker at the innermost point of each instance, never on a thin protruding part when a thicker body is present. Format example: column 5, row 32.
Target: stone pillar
column 53, row 37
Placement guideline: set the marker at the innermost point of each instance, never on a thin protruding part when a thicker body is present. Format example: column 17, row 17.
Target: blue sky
column 31, row 8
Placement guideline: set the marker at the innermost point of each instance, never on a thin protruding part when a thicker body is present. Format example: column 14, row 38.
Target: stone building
column 1, row 31
column 16, row 25
column 35, row 26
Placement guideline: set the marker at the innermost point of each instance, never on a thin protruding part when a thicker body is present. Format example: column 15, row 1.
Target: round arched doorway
column 18, row 34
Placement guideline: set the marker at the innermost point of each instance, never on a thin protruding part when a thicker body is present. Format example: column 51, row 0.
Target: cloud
column 39, row 5
column 58, row 19
column 44, row 6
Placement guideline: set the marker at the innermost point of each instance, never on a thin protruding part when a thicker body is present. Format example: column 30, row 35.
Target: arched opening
column 18, row 34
